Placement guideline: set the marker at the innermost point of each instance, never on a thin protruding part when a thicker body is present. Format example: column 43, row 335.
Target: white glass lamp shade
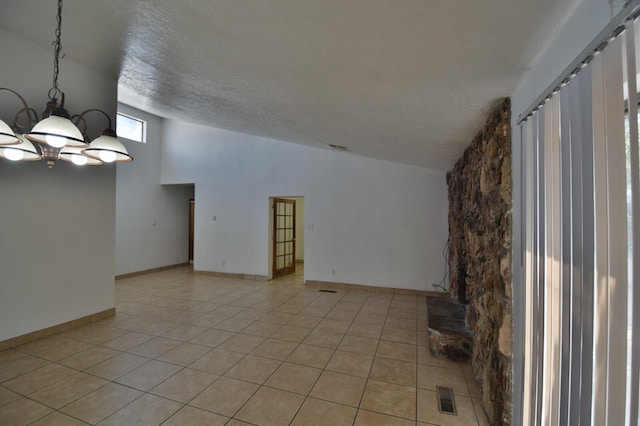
column 75, row 156
column 57, row 132
column 7, row 137
column 107, row 149
column 24, row 151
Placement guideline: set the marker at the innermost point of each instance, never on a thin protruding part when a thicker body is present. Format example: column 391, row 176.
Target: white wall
column 588, row 19
column 367, row 221
column 152, row 220
column 56, row 226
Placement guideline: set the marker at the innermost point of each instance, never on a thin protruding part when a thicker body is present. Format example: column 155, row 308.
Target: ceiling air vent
column 338, row 147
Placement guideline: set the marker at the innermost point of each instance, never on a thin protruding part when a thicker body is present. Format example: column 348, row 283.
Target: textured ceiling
column 409, row 81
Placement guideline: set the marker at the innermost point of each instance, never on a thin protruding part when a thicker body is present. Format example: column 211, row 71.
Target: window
column 131, row 128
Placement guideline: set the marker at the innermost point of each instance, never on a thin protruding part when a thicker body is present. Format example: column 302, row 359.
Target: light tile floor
column 193, row 349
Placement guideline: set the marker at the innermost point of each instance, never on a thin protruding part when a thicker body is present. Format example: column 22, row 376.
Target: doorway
column 287, row 237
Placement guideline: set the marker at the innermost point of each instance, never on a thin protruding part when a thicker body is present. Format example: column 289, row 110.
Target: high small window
column 131, row 128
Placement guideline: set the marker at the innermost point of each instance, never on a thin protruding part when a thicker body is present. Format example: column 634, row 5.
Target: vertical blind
column 581, row 242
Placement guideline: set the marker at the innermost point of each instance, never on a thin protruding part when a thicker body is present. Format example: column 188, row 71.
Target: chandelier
column 57, row 135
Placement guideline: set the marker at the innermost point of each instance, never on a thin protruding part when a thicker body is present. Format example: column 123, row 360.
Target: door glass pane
column 284, row 235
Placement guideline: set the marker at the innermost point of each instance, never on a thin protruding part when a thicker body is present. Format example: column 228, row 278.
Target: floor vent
column 446, row 402
column 327, row 291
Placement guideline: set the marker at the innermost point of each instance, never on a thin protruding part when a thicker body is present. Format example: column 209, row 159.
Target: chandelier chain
column 57, row 135
column 57, row 48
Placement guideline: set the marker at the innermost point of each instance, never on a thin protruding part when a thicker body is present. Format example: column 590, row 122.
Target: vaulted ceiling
column 409, row 81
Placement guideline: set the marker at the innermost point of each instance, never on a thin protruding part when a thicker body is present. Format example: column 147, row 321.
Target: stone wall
column 480, row 256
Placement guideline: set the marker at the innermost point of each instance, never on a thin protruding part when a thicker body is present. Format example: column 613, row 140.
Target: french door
column 284, row 237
